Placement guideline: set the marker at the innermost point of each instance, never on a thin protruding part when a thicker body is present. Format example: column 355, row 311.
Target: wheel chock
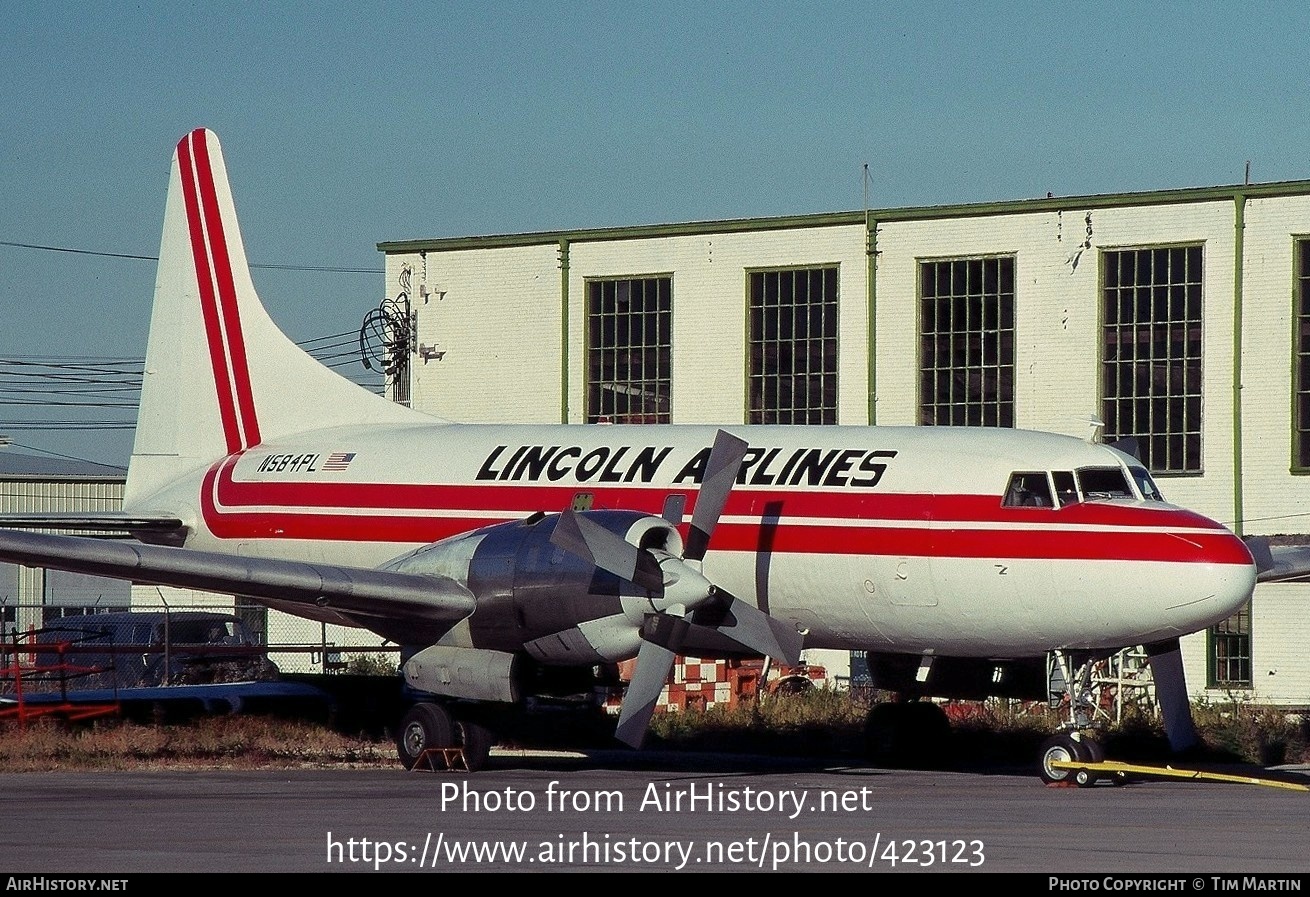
column 450, row 760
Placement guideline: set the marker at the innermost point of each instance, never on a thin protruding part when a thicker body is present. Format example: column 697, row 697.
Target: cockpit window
column 1145, row 484
column 1103, row 483
column 1028, row 490
column 1066, row 493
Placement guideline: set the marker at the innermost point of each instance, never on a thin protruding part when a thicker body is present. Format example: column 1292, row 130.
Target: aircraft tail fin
column 220, row 377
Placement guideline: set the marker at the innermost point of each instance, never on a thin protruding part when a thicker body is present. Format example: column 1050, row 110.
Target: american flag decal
column 338, row 460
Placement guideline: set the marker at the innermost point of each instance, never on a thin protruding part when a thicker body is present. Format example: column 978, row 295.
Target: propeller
column 1166, row 662
column 684, row 604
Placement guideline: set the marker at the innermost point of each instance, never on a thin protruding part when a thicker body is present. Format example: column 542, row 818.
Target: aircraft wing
column 1279, row 563
column 392, row 604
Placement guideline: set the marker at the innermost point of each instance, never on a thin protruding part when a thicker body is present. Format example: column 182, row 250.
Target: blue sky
column 345, row 125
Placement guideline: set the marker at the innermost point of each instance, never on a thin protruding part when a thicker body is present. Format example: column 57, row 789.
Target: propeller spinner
column 683, row 601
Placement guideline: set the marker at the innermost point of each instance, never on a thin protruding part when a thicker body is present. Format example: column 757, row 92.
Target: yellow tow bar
column 1086, row 774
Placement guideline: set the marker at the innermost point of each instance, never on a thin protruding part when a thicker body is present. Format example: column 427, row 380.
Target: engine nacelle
column 473, row 673
column 534, row 596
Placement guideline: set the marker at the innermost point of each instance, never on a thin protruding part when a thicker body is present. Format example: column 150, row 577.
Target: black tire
column 1061, row 748
column 911, row 735
column 424, row 727
column 1095, row 751
column 884, row 734
column 477, row 741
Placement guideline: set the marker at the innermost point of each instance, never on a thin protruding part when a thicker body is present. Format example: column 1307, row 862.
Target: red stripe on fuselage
column 236, row 510
column 850, row 504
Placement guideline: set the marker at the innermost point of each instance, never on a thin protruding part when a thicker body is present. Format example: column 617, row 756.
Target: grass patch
column 229, row 742
column 816, row 722
column 819, row 723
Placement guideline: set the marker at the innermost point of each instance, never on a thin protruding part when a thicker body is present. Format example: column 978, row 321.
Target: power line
column 32, row 448
column 325, row 269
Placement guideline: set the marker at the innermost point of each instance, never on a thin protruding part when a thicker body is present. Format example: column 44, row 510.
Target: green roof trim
column 840, row 219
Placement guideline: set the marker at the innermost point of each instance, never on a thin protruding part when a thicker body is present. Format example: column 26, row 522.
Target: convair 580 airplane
column 518, row 560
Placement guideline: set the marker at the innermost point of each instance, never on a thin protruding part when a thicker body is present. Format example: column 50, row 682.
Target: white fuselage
column 865, row 538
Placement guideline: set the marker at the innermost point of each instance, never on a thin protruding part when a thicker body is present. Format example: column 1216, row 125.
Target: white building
column 1179, row 318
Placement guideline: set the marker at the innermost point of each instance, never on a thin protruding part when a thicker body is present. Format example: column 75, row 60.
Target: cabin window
column 1145, row 484
column 1230, row 651
column 629, row 347
column 966, row 342
column 1151, row 353
column 1103, row 483
column 1028, row 490
column 1066, row 492
column 792, row 343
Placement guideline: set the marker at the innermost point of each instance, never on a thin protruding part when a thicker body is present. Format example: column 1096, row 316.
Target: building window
column 1301, row 363
column 793, row 346
column 966, row 347
column 629, row 345
column 1230, row 651
column 1152, row 354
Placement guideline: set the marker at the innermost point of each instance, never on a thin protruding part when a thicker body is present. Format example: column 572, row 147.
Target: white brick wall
column 496, row 316
column 1280, row 664
column 1276, row 501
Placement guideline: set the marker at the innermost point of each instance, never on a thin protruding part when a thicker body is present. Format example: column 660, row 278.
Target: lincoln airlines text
column 626, row 464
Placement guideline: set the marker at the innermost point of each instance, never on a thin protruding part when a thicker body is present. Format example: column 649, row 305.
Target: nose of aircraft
column 1215, row 582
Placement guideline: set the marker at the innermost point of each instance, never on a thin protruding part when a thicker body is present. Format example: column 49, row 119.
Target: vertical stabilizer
column 220, row 377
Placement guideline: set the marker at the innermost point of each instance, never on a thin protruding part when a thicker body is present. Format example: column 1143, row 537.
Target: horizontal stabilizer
column 1278, row 563
column 96, row 522
column 355, row 592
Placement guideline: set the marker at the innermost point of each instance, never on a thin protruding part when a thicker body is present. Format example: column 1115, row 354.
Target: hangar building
column 35, row 485
column 1178, row 318
column 33, row 597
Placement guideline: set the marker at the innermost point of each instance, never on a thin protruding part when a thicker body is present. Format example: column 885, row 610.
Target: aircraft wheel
column 477, row 741
column 885, row 734
column 425, row 726
column 1095, row 751
column 913, row 734
column 1061, row 748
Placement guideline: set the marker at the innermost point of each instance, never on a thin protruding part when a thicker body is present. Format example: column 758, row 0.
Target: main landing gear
column 903, row 734
column 431, row 734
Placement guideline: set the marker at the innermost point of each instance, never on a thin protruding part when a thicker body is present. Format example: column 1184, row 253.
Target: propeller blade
column 601, row 548
column 1261, row 553
column 748, row 625
column 654, row 662
column 724, row 630
column 1166, row 662
column 720, row 476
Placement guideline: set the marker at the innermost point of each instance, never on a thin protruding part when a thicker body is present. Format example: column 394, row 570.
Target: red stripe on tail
column 228, row 311
column 205, row 283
